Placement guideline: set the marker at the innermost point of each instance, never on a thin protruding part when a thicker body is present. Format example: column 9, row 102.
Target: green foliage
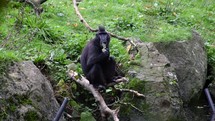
column 3, row 7
column 124, row 23
column 74, row 104
column 137, row 85
column 7, row 55
column 119, row 51
column 211, row 54
column 40, row 30
column 87, row 116
column 31, row 116
column 74, row 46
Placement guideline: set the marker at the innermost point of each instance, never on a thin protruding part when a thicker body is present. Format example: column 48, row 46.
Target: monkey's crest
column 101, row 29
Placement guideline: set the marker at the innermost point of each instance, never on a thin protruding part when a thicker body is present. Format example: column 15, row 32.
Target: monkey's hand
column 103, row 50
column 104, row 47
column 111, row 58
column 106, row 52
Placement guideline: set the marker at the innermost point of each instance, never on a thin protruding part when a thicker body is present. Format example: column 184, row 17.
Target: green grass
column 56, row 38
column 6, row 58
column 58, row 34
column 150, row 20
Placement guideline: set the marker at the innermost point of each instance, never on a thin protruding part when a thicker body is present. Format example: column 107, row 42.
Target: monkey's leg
column 109, row 70
column 96, row 76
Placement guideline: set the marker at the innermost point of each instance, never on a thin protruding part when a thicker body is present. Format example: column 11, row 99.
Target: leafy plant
column 87, row 116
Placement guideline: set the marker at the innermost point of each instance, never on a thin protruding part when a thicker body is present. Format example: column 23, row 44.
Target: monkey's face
column 104, row 40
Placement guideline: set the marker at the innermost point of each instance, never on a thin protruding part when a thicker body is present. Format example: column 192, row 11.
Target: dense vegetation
column 56, row 38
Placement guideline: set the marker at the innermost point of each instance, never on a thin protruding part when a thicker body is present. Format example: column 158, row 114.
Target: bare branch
column 95, row 30
column 124, row 39
column 98, row 97
column 82, row 20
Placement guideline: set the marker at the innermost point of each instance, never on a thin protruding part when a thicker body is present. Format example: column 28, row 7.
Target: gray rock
column 30, row 91
column 161, row 85
column 172, row 73
column 189, row 59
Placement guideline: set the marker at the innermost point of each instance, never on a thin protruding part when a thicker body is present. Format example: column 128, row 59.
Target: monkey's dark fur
column 97, row 65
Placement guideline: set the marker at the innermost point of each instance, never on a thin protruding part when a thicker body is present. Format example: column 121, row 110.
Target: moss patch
column 10, row 105
column 20, row 99
column 31, row 116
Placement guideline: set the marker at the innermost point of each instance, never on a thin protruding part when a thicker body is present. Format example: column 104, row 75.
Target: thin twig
column 132, row 106
column 117, row 81
column 132, row 91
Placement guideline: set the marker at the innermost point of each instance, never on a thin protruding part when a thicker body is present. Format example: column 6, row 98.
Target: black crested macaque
column 97, row 65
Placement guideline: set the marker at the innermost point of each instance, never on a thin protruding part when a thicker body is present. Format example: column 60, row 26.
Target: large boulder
column 189, row 59
column 170, row 74
column 160, row 85
column 27, row 95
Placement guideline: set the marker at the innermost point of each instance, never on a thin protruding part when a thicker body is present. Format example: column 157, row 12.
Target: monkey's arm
column 93, row 59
